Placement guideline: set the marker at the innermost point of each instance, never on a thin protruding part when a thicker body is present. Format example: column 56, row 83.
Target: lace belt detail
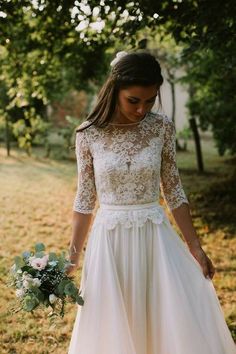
column 128, row 215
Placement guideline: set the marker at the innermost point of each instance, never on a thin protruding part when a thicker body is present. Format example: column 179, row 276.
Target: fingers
column 205, row 269
column 208, row 269
column 211, row 269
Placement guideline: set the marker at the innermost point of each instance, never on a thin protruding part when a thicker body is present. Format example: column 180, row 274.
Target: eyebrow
column 136, row 98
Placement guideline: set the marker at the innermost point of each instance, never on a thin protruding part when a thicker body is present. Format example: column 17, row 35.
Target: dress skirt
column 144, row 292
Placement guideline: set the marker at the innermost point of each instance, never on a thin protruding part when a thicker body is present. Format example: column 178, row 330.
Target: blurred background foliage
column 54, row 55
column 52, row 51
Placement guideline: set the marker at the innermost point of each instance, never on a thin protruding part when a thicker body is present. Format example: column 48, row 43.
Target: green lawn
column 36, row 199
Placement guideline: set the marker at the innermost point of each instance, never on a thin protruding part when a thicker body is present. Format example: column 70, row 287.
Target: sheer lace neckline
column 130, row 124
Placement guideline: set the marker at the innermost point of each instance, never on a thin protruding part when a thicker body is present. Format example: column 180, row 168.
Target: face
column 134, row 102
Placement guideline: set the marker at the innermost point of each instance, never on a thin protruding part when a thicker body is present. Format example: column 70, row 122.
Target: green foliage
column 41, row 54
column 49, row 47
column 185, row 133
column 39, row 247
column 19, row 262
column 41, row 279
column 30, row 302
column 67, row 131
column 211, row 79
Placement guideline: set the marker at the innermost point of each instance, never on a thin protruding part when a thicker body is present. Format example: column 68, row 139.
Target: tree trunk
column 172, row 86
column 193, row 126
column 7, row 136
column 197, row 141
column 173, row 100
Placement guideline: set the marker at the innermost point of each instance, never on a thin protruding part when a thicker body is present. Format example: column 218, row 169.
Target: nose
column 140, row 110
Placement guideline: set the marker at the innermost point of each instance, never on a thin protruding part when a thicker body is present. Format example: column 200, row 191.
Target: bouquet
column 40, row 279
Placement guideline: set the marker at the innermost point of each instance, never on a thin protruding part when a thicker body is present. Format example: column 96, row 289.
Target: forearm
column 80, row 227
column 183, row 219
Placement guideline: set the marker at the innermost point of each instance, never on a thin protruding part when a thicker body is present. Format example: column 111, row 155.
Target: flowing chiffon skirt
column 144, row 293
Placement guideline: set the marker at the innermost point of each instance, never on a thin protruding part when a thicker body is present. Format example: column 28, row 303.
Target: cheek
column 125, row 106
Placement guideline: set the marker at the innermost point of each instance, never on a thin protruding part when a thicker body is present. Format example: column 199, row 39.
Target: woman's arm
column 176, row 200
column 80, row 227
column 183, row 219
column 85, row 198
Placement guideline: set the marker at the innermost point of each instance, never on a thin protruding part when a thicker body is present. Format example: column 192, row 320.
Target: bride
column 145, row 290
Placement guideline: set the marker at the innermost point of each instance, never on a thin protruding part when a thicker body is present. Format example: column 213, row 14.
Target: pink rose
column 39, row 263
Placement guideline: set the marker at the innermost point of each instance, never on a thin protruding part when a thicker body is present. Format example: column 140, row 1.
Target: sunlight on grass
column 36, row 205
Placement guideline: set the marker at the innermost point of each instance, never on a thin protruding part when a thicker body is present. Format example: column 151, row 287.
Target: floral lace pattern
column 111, row 218
column 128, row 164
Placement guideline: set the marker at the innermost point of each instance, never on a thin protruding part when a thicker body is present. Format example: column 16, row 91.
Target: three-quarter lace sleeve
column 85, row 198
column 171, row 186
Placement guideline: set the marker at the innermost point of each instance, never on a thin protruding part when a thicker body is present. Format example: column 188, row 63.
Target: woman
column 145, row 290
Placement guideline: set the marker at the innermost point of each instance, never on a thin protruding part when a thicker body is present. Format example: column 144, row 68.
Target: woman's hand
column 71, row 269
column 74, row 262
column 204, row 261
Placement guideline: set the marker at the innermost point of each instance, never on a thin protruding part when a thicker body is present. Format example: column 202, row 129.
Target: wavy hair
column 139, row 69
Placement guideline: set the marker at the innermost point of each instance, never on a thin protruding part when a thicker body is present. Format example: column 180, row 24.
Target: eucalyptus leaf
column 52, row 257
column 62, row 285
column 39, row 254
column 38, row 293
column 19, row 262
column 70, row 289
column 30, row 303
column 39, row 247
column 79, row 300
column 61, row 264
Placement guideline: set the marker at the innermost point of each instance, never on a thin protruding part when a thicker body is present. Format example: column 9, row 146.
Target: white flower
column 26, row 276
column 52, row 298
column 20, row 292
column 36, row 282
column 18, row 284
column 39, row 263
column 119, row 55
column 26, row 284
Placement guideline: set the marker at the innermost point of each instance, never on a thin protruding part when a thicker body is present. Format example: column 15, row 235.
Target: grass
column 36, row 205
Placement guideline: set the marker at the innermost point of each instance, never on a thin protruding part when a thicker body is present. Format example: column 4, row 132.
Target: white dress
column 144, row 293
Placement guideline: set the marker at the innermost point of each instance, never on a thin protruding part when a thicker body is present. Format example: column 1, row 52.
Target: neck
column 119, row 118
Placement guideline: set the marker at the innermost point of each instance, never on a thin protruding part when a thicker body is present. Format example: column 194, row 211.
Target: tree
column 45, row 45
column 41, row 57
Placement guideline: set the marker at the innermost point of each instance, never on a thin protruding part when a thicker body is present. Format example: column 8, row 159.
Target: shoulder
column 160, row 117
column 89, row 133
column 84, row 124
column 81, row 138
column 161, row 121
column 85, row 129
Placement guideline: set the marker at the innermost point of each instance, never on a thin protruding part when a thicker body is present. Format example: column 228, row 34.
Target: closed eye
column 132, row 101
column 135, row 102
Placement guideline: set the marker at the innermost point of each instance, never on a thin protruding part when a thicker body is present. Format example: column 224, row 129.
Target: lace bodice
column 128, row 164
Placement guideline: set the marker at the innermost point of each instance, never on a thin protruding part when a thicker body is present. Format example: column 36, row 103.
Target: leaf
column 30, row 303
column 38, row 293
column 79, row 300
column 52, row 257
column 70, row 289
column 62, row 285
column 39, row 247
column 29, row 270
column 19, row 262
column 61, row 264
column 39, row 254
column 52, row 264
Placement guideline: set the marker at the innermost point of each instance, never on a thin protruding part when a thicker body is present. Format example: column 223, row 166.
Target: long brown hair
column 139, row 68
